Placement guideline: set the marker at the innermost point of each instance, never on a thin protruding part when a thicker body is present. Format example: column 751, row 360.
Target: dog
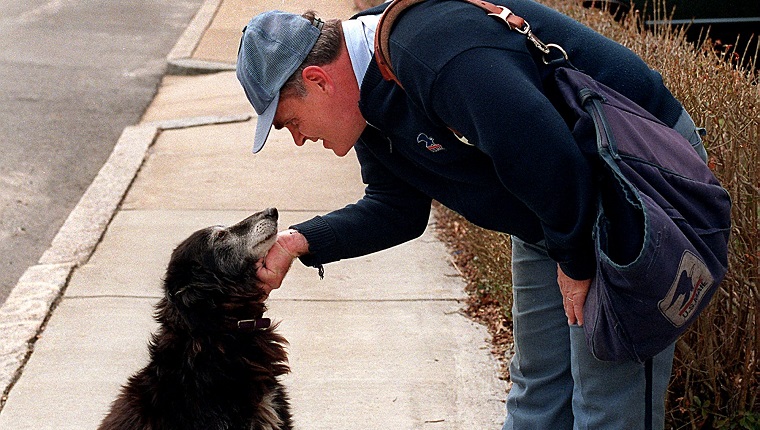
column 215, row 361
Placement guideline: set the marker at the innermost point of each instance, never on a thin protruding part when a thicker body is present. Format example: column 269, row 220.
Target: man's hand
column 290, row 245
column 574, row 294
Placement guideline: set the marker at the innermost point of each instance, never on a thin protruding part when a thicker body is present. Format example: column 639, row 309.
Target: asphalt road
column 73, row 74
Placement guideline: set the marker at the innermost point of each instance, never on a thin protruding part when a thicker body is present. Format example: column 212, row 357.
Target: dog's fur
column 204, row 372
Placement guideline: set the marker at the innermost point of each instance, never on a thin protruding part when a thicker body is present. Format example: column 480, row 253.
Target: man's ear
column 317, row 77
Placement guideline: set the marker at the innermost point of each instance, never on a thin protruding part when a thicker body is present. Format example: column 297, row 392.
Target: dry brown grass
column 716, row 376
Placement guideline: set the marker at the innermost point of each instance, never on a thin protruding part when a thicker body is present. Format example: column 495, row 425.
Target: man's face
column 314, row 118
column 328, row 112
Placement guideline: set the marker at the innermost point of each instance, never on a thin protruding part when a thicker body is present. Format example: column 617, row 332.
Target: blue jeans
column 685, row 126
column 556, row 382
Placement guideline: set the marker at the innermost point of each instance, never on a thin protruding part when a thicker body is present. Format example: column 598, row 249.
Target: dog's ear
column 189, row 285
column 198, row 294
column 187, row 263
column 185, row 309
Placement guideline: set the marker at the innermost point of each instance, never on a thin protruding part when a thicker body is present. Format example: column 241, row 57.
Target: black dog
column 214, row 361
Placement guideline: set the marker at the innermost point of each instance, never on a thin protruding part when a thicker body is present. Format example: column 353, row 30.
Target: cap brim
column 264, row 124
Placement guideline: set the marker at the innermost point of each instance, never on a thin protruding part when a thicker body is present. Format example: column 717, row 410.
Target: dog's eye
column 220, row 233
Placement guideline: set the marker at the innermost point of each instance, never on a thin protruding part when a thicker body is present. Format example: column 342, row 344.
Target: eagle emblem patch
column 430, row 144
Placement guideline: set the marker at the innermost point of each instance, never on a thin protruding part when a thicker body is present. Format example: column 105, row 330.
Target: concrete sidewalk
column 380, row 343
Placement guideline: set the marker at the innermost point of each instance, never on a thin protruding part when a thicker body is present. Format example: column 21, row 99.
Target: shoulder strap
column 396, row 7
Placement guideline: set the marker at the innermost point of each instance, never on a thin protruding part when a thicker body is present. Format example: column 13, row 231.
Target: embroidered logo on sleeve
column 429, row 143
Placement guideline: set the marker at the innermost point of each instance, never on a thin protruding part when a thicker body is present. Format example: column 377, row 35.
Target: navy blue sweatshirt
column 525, row 174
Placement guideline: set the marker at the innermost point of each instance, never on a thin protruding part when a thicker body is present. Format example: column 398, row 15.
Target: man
column 520, row 172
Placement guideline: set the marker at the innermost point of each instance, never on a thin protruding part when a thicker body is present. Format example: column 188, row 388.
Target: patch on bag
column 692, row 281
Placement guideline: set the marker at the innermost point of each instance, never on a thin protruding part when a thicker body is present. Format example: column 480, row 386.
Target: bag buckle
column 521, row 26
column 503, row 15
column 513, row 21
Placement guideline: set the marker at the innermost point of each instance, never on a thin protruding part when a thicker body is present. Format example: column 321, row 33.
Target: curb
column 191, row 67
column 180, row 61
column 192, row 35
column 32, row 300
column 24, row 314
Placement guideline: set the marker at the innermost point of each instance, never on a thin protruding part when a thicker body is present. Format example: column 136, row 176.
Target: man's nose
column 298, row 138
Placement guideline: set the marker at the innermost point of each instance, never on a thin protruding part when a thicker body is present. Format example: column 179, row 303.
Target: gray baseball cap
column 273, row 46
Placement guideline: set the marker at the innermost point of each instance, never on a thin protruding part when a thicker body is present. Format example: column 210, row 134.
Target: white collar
column 359, row 34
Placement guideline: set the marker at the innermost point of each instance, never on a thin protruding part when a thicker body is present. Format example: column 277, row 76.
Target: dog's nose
column 271, row 212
